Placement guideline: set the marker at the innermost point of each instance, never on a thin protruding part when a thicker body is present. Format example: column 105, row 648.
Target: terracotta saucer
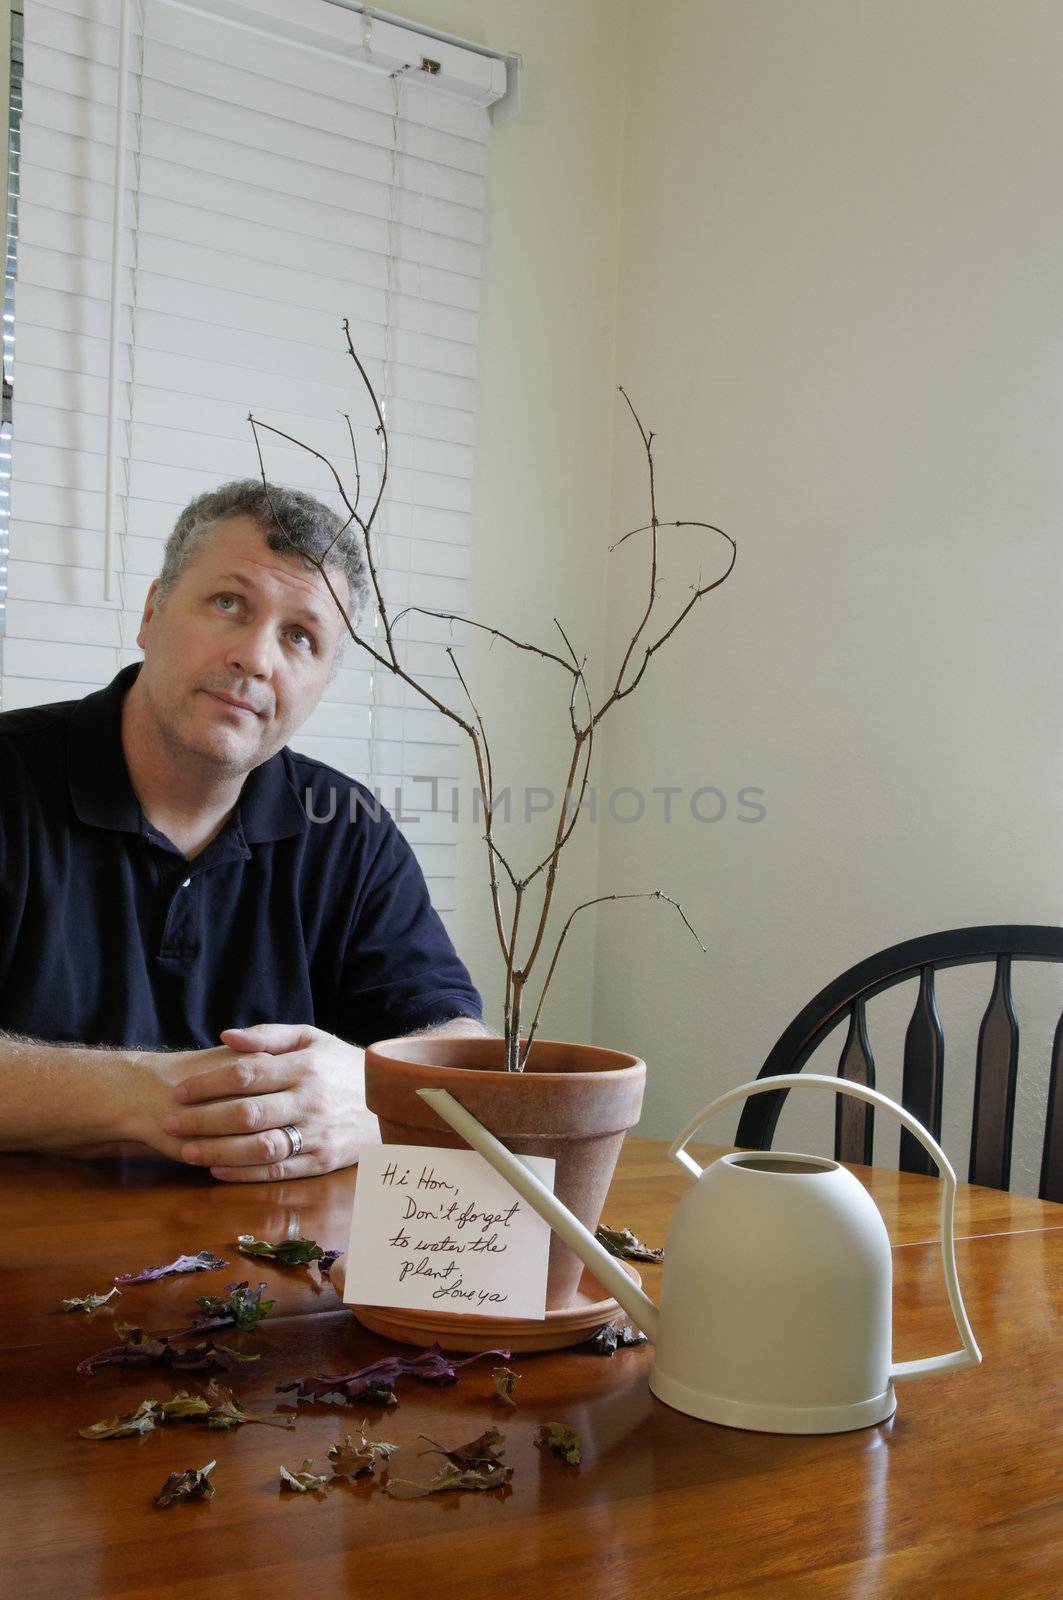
column 572, row 1324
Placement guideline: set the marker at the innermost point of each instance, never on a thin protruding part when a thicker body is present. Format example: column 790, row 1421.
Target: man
column 163, row 884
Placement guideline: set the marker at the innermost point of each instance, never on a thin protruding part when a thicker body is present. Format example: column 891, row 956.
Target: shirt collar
column 102, row 795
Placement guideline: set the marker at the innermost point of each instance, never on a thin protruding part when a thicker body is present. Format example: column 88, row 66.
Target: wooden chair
column 924, row 1054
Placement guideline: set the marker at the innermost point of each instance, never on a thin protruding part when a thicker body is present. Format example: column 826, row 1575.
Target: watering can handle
column 970, row 1355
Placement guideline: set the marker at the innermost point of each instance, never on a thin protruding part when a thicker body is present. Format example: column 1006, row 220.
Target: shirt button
column 186, row 883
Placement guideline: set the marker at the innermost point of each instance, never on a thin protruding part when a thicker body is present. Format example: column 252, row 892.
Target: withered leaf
column 183, row 1404
column 287, row 1253
column 448, row 1477
column 137, row 1347
column 328, row 1261
column 431, row 1366
column 226, row 1411
column 304, row 1480
column 480, row 1453
column 563, row 1441
column 353, row 1459
column 203, row 1262
column 621, row 1242
column 140, row 1421
column 244, row 1307
column 131, row 1334
column 478, row 1465
column 504, row 1381
column 88, row 1302
column 207, row 1357
column 192, row 1484
column 219, row 1408
column 614, row 1336
column 140, row 1348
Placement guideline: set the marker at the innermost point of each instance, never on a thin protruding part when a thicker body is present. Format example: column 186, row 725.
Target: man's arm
column 63, row 1097
column 234, row 1116
column 456, row 1028
column 57, row 1097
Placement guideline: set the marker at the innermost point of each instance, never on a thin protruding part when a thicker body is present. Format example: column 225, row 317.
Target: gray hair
column 292, row 523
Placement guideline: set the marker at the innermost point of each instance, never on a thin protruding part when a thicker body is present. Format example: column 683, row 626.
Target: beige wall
column 841, row 305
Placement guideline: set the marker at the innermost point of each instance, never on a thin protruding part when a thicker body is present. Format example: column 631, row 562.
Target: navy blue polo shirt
column 109, row 935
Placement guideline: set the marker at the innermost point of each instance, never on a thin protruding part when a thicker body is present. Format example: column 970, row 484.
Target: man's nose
column 252, row 653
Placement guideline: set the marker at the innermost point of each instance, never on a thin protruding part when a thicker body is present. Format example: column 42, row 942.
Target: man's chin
column 230, row 756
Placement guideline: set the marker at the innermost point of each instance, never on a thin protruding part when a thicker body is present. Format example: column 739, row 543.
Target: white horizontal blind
column 271, row 190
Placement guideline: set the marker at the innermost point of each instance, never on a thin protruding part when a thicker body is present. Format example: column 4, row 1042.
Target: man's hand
column 284, row 1073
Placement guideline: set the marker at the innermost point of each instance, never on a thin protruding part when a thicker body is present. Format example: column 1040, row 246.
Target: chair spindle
column 1052, row 1160
column 854, row 1120
column 994, row 1085
column 924, row 1061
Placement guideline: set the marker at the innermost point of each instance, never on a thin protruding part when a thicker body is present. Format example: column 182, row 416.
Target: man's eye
column 301, row 638
column 225, row 602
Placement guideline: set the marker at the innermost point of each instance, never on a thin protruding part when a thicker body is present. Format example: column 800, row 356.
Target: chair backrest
column 845, row 1000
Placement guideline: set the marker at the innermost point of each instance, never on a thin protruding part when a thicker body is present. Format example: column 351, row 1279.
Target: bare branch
column 489, row 800
column 647, row 440
column 484, row 627
column 493, row 848
column 700, row 591
column 582, row 736
column 300, row 445
column 380, row 427
column 649, row 894
column 711, row 526
column 354, row 452
column 367, row 543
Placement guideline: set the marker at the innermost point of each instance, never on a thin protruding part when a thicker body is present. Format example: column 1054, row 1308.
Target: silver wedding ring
column 295, row 1138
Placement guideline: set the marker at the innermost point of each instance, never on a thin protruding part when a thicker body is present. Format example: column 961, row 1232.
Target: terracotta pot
column 575, row 1104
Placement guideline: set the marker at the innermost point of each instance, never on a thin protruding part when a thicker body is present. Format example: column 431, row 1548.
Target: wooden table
column 959, row 1494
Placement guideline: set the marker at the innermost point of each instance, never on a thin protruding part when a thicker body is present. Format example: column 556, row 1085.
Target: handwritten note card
column 441, row 1230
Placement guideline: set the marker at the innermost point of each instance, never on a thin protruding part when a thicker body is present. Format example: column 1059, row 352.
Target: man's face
column 237, row 654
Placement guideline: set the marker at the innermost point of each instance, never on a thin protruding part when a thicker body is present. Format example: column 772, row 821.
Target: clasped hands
column 232, row 1115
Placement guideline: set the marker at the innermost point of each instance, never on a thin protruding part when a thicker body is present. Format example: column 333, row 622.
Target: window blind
column 272, row 188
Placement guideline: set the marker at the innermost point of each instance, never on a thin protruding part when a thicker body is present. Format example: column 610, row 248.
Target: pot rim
column 384, row 1051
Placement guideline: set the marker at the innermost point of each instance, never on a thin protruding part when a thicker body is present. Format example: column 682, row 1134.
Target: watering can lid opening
column 782, row 1161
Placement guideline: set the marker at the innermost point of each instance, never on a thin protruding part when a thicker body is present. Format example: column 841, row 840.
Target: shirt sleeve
column 401, row 972
column 14, row 855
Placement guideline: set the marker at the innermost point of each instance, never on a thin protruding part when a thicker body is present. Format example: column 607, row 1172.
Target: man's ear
column 149, row 611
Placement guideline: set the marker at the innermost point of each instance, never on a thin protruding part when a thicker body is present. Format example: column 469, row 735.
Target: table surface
column 959, row 1493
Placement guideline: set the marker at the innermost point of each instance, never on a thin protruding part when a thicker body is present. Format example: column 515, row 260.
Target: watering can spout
column 606, row 1268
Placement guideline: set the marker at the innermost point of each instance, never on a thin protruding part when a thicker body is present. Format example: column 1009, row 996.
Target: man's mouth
column 232, row 702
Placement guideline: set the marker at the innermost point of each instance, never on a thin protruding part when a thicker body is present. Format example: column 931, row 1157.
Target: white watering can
column 776, row 1307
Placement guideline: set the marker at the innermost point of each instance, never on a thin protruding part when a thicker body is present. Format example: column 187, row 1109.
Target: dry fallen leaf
column 476, row 1465
column 448, row 1477
column 288, row 1253
column 352, row 1459
column 622, row 1243
column 243, row 1309
column 141, row 1348
column 303, row 1481
column 563, row 1441
column 614, row 1336
column 88, row 1302
column 140, row 1421
column 377, row 1380
column 203, row 1262
column 192, row 1484
column 219, row 1408
column 226, row 1411
column 504, row 1381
